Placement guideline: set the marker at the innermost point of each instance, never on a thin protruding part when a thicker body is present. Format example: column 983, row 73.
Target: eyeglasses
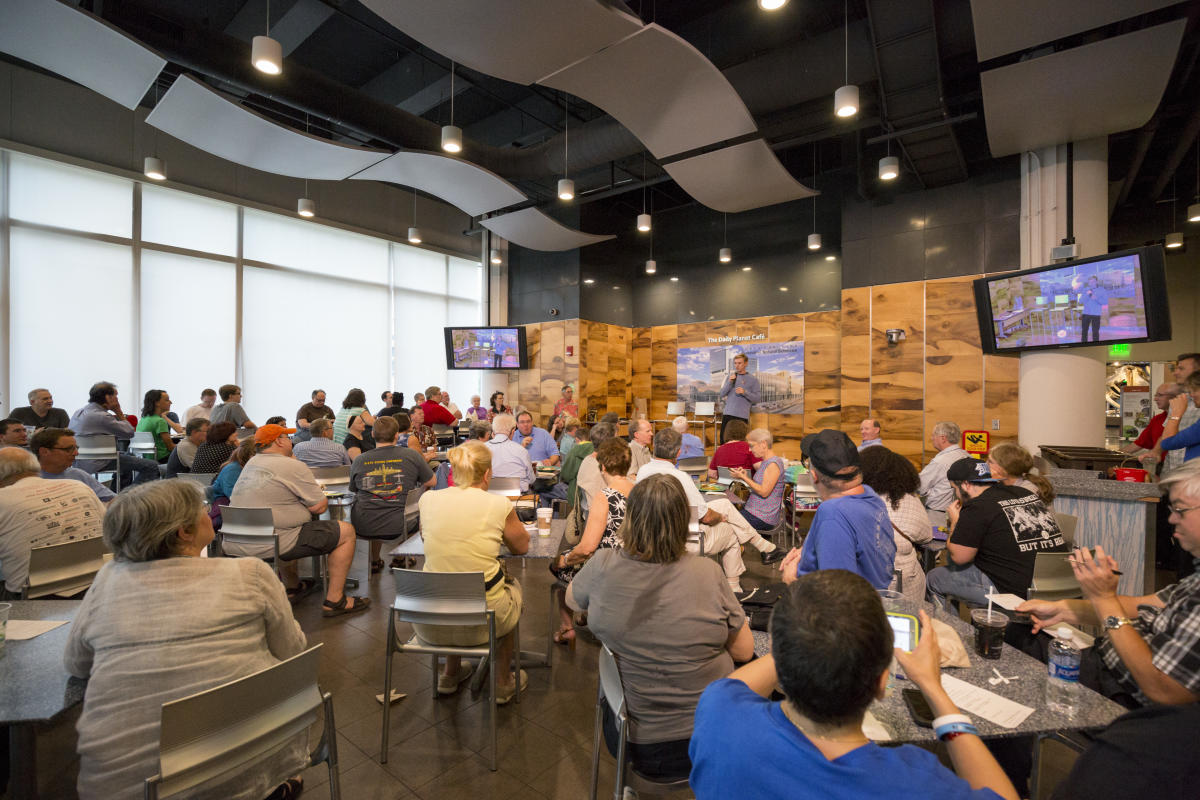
column 72, row 449
column 1180, row 511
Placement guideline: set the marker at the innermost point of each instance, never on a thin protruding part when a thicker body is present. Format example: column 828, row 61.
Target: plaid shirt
column 1173, row 634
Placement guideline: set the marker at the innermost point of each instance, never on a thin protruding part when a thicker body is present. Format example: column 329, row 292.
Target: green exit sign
column 1119, row 350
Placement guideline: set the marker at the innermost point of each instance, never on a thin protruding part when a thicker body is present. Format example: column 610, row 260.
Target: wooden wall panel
column 554, row 372
column 616, row 396
column 1001, row 375
column 898, row 371
column 856, row 358
column 594, row 367
column 788, row 429
column 639, row 383
column 954, row 386
column 529, row 381
column 822, row 370
column 663, row 373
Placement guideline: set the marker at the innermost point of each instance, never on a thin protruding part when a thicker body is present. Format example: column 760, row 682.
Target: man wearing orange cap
column 273, row 479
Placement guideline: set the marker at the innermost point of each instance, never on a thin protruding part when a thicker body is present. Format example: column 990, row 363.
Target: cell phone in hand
column 918, row 707
column 905, row 630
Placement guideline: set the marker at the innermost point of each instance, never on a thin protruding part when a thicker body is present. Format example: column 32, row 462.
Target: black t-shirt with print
column 1009, row 525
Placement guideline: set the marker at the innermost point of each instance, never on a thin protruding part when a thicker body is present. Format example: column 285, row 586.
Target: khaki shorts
column 317, row 538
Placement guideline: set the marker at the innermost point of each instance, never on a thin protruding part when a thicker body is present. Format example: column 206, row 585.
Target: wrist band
column 945, row 719
column 952, row 729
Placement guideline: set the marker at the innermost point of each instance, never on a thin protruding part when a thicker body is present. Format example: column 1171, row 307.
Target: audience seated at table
column 831, row 654
column 41, row 413
column 219, row 443
column 570, row 435
column 13, row 433
column 463, row 528
column 851, row 529
column 641, row 438
column 392, row 402
column 574, row 462
column 35, row 512
column 450, row 406
column 195, row 434
column 420, row 435
column 358, row 439
column 156, row 404
column 603, row 525
column 160, row 623
column 1150, row 651
column 736, row 450
column 231, row 409
column 895, row 479
column 692, row 446
column 435, row 412
column 475, row 411
column 273, row 479
column 103, row 415
column 381, row 480
column 509, row 459
column 1012, row 465
column 227, row 477
column 764, row 508
column 496, row 406
column 537, row 441
column 56, row 449
column 208, row 398
column 936, row 491
column 354, row 405
column 672, row 621
column 321, row 450
column 315, row 409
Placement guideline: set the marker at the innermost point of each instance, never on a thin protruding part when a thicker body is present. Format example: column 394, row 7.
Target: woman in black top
column 357, row 440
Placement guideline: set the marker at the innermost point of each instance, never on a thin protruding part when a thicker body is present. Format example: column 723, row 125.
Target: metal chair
column 254, row 528
column 142, row 444
column 100, row 447
column 332, row 478
column 443, row 598
column 697, row 465
column 612, row 692
column 444, row 433
column 1067, row 524
column 224, row 729
column 205, row 479
column 66, row 568
column 509, row 487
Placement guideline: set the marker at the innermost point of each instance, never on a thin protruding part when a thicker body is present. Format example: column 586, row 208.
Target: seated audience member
column 566, row 404
column 421, row 436
column 936, row 491
column 603, row 525
column 869, row 431
column 764, row 507
column 476, row 411
column 1176, row 435
column 692, row 446
column 995, row 533
column 103, row 415
column 463, row 528
column 208, row 399
column 156, row 404
column 229, row 619
column 358, row 439
column 1151, row 644
column 196, row 434
column 450, row 406
column 538, row 441
column 231, row 470
column 670, row 648
column 1012, row 465
column 35, row 512
column 435, row 412
column 381, row 480
column 13, row 433
column 418, row 398
column 496, row 406
column 509, row 459
column 309, row 413
column 831, row 655
column 895, row 479
column 231, row 409
column 219, row 443
column 641, row 437
column 726, row 531
column 273, row 479
column 851, row 529
column 353, row 405
column 393, row 403
column 41, row 413
column 279, row 420
column 612, row 418
column 481, row 431
column 570, row 435
column 1153, row 431
column 321, row 450
column 736, row 450
column 578, row 466
column 56, row 449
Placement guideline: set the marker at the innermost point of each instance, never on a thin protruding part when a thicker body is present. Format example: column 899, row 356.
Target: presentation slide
column 486, row 348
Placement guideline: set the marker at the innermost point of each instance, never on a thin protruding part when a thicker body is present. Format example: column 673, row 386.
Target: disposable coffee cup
column 989, row 632
column 543, row 520
column 4, row 609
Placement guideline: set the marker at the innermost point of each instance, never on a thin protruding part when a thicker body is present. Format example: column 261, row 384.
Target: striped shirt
column 321, row 452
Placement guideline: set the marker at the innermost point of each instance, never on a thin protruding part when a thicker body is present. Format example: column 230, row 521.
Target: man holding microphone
column 740, row 392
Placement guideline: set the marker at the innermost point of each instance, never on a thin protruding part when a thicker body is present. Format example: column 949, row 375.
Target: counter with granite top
column 1087, row 483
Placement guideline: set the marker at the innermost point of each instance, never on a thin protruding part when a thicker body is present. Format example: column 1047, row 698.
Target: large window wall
column 107, row 278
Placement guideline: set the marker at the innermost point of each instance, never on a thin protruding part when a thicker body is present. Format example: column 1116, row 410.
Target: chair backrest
column 215, row 732
column 1053, row 578
column 96, row 446
column 610, row 682
column 440, row 598
column 332, row 476
column 202, row 478
column 142, row 439
column 695, row 464
column 246, row 525
column 64, row 568
column 1067, row 524
column 509, row 487
column 442, row 429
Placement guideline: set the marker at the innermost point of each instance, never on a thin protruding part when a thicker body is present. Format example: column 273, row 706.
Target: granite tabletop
column 1086, row 483
column 1028, row 688
column 539, row 546
column 34, row 685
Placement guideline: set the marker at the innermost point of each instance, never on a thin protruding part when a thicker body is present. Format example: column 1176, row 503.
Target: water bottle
column 1062, row 683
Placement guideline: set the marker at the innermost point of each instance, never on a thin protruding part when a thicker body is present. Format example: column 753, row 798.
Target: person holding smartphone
column 814, row 736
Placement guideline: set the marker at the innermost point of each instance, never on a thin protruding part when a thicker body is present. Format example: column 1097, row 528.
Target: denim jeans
column 967, row 583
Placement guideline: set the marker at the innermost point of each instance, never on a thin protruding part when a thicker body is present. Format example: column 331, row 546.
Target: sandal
column 565, row 636
column 376, row 566
column 300, row 590
column 403, row 562
column 339, row 608
column 288, row 790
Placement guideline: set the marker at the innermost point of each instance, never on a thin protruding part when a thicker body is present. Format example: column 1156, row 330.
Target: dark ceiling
column 352, row 77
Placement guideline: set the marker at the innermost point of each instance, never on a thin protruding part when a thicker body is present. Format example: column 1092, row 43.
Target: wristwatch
column 1111, row 623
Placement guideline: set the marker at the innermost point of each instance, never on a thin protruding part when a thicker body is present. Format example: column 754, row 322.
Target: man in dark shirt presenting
column 996, row 531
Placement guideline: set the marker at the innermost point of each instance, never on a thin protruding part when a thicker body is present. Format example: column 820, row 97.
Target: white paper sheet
column 20, row 629
column 982, row 703
column 1006, row 601
column 874, row 730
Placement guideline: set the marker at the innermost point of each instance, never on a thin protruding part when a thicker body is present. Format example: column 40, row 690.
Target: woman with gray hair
column 161, row 623
column 764, row 508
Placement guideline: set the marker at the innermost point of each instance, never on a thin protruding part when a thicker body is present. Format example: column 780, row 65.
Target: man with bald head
column 869, row 431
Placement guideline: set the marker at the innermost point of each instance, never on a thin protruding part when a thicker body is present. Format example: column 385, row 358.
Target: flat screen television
column 1118, row 297
column 486, row 348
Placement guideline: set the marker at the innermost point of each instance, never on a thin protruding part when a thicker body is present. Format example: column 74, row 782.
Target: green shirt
column 570, row 468
column 157, row 427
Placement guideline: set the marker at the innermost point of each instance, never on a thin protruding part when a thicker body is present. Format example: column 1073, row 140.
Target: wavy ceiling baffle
column 737, row 178
column 194, row 113
column 533, row 229
column 472, row 188
column 80, row 47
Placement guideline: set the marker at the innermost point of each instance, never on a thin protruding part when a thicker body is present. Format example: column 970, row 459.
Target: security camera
column 894, row 336
column 554, row 312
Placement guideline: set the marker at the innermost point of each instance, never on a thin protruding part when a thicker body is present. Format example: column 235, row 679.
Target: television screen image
column 485, row 348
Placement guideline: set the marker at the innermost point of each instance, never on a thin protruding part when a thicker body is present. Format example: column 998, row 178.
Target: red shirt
column 568, row 406
column 733, row 454
column 436, row 414
column 1152, row 433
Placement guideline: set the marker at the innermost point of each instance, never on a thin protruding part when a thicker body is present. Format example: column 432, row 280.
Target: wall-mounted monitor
column 486, row 348
column 1119, row 297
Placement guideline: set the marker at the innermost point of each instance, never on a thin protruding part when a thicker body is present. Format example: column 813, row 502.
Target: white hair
column 503, row 424
column 680, row 424
column 760, row 435
column 948, row 431
column 1185, row 479
column 16, row 461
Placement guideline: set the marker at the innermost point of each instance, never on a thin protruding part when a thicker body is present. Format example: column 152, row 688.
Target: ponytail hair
column 1018, row 463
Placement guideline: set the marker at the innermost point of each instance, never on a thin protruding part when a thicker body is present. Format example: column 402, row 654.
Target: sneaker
column 772, row 556
column 449, row 684
column 505, row 694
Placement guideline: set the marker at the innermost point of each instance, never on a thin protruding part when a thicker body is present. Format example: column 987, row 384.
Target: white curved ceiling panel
column 1093, row 90
column 79, row 46
column 1006, row 26
column 472, row 188
column 662, row 89
column 517, row 40
column 737, row 178
column 193, row 113
column 533, row 229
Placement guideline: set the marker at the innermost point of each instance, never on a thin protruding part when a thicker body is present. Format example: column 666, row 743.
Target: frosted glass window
column 68, row 197
column 419, row 269
column 275, row 239
column 72, row 317
column 420, row 344
column 185, row 220
column 463, row 313
column 188, row 337
column 465, row 278
column 294, row 343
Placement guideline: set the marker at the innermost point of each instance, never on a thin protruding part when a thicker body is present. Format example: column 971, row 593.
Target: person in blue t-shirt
column 851, row 529
column 831, row 653
column 1094, row 299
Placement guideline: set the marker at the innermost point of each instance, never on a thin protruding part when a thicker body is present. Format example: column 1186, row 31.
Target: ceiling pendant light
column 414, row 233
column 889, row 168
column 771, row 5
column 651, row 266
column 1193, row 212
column 1174, row 240
column 845, row 99
column 643, row 219
column 725, row 255
column 452, row 134
column 814, row 238
column 154, row 168
column 306, row 208
column 643, row 222
column 266, row 54
column 496, row 258
column 566, row 186
column 814, row 241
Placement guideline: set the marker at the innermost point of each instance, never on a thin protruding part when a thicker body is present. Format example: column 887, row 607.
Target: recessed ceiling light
column 746, row 269
column 588, row 281
column 675, row 278
column 771, row 5
column 830, row 257
column 616, row 287
column 783, row 288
